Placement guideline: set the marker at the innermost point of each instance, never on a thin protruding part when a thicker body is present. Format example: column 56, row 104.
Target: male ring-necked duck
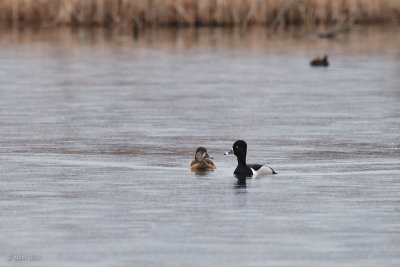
column 248, row 170
column 320, row 62
column 202, row 161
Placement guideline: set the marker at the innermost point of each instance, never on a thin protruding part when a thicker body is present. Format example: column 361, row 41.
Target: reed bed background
column 142, row 13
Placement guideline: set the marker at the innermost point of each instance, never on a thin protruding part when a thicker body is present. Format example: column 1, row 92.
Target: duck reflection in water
column 241, row 181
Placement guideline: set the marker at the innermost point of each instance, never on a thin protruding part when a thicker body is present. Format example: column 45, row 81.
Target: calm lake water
column 98, row 130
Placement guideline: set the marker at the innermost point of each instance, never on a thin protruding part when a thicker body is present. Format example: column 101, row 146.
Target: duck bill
column 206, row 156
column 230, row 152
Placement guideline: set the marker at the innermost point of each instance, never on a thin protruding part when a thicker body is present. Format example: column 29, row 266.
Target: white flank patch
column 254, row 172
column 264, row 170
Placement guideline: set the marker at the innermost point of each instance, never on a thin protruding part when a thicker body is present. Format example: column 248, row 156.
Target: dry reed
column 140, row 13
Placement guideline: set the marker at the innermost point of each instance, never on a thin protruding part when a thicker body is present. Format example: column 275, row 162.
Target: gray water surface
column 98, row 130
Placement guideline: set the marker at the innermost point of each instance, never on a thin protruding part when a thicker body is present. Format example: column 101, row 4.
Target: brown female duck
column 202, row 161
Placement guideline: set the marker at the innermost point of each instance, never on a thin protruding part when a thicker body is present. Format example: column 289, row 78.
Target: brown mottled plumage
column 202, row 161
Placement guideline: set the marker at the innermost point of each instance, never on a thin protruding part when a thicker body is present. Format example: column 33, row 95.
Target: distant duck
column 202, row 161
column 320, row 62
column 327, row 35
column 239, row 149
column 333, row 32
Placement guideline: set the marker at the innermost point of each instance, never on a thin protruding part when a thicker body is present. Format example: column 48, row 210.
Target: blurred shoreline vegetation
column 192, row 13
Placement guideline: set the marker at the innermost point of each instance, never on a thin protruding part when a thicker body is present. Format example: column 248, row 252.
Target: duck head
column 239, row 149
column 325, row 60
column 201, row 154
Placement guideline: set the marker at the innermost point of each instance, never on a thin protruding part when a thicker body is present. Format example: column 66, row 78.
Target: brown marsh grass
column 140, row 13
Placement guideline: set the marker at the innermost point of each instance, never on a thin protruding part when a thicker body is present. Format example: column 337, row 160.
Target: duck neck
column 242, row 160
